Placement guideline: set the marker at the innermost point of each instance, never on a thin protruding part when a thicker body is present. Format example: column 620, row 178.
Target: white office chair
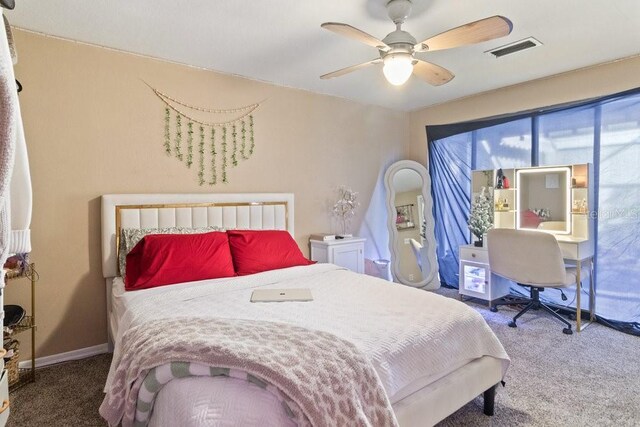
column 533, row 259
column 416, row 247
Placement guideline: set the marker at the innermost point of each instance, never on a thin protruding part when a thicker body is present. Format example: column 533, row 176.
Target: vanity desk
column 550, row 199
column 477, row 281
column 580, row 251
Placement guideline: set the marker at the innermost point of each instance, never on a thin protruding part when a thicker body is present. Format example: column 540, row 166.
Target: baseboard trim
column 67, row 356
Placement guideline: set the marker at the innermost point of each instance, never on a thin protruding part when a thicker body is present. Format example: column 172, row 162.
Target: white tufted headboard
column 256, row 211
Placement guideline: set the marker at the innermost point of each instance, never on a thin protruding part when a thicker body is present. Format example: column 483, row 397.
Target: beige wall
column 580, row 84
column 93, row 127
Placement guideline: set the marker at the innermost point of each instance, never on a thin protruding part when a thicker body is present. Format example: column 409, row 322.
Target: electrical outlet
column 407, row 241
column 411, row 277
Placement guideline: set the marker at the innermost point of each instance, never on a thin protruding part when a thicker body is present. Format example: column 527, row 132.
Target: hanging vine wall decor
column 231, row 138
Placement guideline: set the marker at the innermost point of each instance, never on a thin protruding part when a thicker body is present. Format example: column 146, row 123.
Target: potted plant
column 481, row 218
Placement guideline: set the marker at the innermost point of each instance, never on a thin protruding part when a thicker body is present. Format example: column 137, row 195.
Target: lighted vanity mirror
column 410, row 225
column 544, row 199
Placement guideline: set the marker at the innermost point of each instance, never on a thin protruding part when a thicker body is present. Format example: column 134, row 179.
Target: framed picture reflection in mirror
column 404, row 217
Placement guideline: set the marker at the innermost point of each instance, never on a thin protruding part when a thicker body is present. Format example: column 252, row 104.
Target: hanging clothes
column 8, row 131
column 16, row 178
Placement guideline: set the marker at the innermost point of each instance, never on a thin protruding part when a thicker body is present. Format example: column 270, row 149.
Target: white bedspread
column 413, row 337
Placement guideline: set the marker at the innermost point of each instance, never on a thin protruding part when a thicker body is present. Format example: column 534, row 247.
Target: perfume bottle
column 499, row 182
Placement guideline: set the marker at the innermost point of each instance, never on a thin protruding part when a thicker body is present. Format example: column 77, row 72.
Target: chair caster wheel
column 567, row 331
column 494, row 309
column 512, row 324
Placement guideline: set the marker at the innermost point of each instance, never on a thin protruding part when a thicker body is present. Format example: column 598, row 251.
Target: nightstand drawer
column 474, row 254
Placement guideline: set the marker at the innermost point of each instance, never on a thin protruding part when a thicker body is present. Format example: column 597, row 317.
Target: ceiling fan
column 397, row 50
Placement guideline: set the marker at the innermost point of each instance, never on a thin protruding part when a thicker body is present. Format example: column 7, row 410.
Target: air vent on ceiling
column 518, row 46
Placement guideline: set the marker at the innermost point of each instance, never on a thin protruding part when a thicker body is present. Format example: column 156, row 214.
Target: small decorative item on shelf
column 579, row 182
column 505, row 182
column 345, row 208
column 500, row 180
column 481, row 218
column 18, row 264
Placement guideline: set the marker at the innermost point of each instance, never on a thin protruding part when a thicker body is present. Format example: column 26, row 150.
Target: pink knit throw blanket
column 325, row 380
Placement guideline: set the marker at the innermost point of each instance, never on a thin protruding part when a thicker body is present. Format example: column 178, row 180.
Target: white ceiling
column 281, row 42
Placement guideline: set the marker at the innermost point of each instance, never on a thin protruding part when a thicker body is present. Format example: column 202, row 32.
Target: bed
column 432, row 354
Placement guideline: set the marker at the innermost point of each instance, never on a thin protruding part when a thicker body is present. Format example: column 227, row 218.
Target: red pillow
column 529, row 219
column 256, row 251
column 164, row 259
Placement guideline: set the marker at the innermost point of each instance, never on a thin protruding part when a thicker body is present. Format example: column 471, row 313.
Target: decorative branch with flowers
column 345, row 207
column 481, row 218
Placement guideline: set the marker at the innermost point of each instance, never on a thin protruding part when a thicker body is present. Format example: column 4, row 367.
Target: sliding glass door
column 604, row 132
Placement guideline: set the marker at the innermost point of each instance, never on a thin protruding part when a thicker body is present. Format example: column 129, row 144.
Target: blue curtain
column 604, row 132
column 450, row 170
column 618, row 256
column 451, row 160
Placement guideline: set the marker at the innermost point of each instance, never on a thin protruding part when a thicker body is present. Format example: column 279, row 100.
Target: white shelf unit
column 505, row 200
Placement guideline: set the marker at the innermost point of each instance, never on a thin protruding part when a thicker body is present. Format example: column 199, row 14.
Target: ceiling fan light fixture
column 398, row 68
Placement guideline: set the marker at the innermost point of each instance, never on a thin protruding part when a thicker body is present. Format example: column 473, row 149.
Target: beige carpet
column 586, row 379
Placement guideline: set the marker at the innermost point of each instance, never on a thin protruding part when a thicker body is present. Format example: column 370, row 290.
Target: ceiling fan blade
column 431, row 73
column 349, row 69
column 473, row 32
column 354, row 33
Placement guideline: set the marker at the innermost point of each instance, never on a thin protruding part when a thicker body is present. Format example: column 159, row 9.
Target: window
column 604, row 132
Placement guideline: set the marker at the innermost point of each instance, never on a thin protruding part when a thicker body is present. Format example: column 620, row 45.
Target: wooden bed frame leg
column 489, row 400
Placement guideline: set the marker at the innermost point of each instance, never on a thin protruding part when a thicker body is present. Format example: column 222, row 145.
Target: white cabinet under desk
column 476, row 279
column 347, row 253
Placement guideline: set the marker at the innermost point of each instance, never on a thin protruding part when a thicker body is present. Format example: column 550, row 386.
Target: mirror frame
column 567, row 201
column 430, row 279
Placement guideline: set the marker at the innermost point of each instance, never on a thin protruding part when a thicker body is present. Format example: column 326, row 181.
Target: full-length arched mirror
column 410, row 223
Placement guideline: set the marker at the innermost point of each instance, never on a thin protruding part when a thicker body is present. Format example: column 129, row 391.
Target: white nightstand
column 347, row 253
column 476, row 279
